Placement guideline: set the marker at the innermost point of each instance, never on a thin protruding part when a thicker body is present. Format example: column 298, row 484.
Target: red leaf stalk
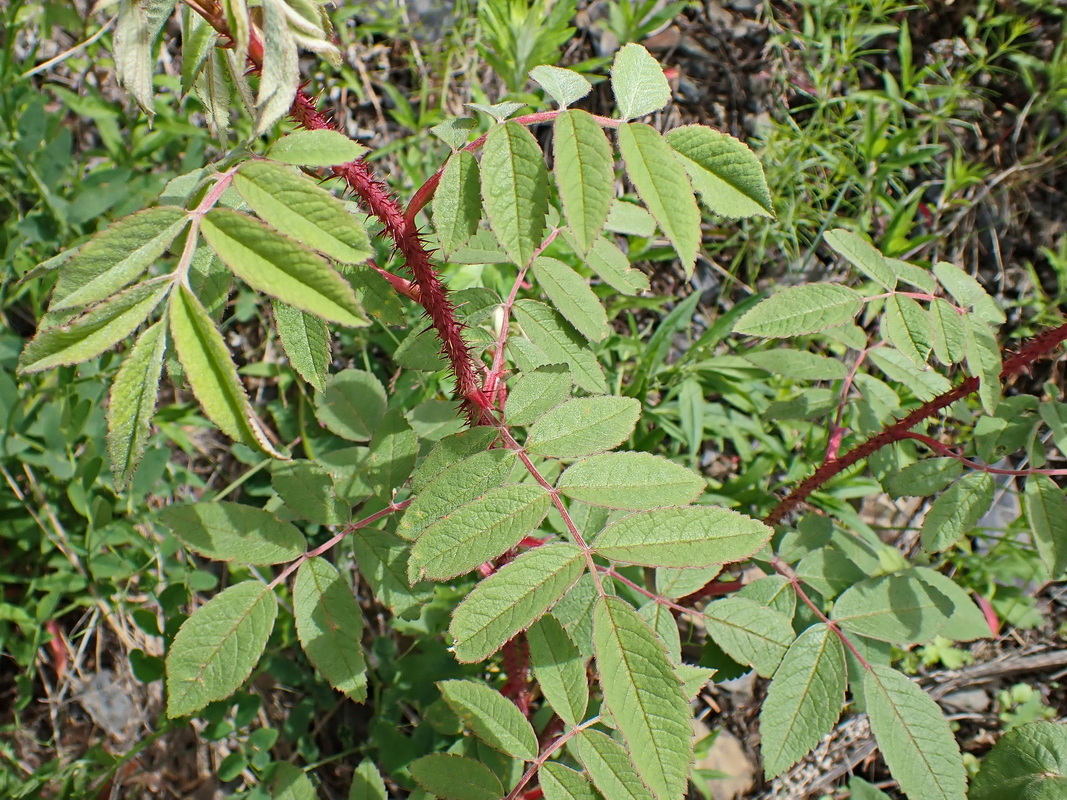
column 516, row 657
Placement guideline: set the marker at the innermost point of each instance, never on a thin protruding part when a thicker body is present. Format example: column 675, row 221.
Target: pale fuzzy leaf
column 139, row 23
column 630, row 219
column 561, row 344
column 644, row 697
column 306, row 341
column 198, row 40
column 585, row 175
column 638, row 82
column 863, row 255
column 454, row 132
column 947, row 335
column 559, row 669
column 663, row 186
column 513, row 598
column 455, row 777
column 295, row 206
column 694, row 536
column 1046, row 511
column 925, row 384
column 116, row 256
column 563, row 783
column 572, row 297
column 632, row 481
column 610, row 767
column 515, row 190
column 955, row 513
column 132, row 403
column 724, row 171
column 983, row 360
column 899, row 608
column 234, row 532
column 329, row 624
column 800, row 365
column 214, row 93
column 280, row 75
column 914, row 737
column 537, row 391
column 276, row 265
column 216, row 648
column 749, row 633
column 565, row 86
column 352, row 404
column 238, row 23
column 613, row 267
column 583, row 426
column 907, row 327
column 317, row 148
column 798, row 310
column 923, row 478
column 498, row 111
column 804, row 699
column 968, row 292
column 491, row 717
column 479, row 531
column 457, row 205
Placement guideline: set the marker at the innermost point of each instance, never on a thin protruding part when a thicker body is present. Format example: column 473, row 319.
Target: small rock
column 729, row 757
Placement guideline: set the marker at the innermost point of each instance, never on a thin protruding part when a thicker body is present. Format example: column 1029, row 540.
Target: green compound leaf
column 610, row 767
column 631, row 481
column 724, row 170
column 276, row 265
column 1046, row 510
column 798, row 364
column 457, row 483
column 132, row 403
column 695, row 536
column 914, row 737
column 319, row 148
column 383, row 563
column 455, row 777
column 893, row 608
column 968, row 292
column 983, row 360
column 352, row 404
column 116, row 256
column 95, row 331
column 924, row 384
column 613, row 267
column 563, row 783
column 1028, row 763
column 572, row 297
column 515, row 190
column 234, row 532
column 308, row 491
column 561, row 344
column 560, row 669
column 393, row 451
column 663, row 185
column 211, row 373
column 907, row 327
column 804, row 699
column 957, row 510
column 457, row 203
column 513, row 598
column 295, row 206
column 863, row 255
column 565, row 86
column 947, row 335
column 367, row 783
column 479, row 531
column 491, row 717
column 644, row 696
column 638, row 82
column 750, row 633
column 801, row 309
column 216, row 648
column 306, row 341
column 923, row 478
column 537, row 391
column 583, row 426
column 585, row 175
column 329, row 624
column 291, row 783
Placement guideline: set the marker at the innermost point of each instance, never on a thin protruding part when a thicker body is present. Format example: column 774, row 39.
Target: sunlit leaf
column 329, row 623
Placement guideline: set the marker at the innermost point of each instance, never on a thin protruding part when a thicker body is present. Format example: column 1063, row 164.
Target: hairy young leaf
column 644, row 696
column 135, row 34
column 352, row 404
column 804, row 699
column 610, row 767
column 583, row 426
column 132, row 403
column 463, row 481
column 280, row 75
column 663, row 185
column 457, row 203
column 957, row 511
column 491, row 717
column 536, row 392
column 234, row 532
column 897, row 608
column 694, row 536
column 631, row 481
column 565, row 86
column 276, row 265
column 480, row 530
column 318, row 148
column 863, row 255
column 216, row 648
column 211, row 373
column 749, row 633
column 914, row 736
column 563, row 783
column 724, row 171
column 572, row 297
column 329, row 624
column 561, row 344
column 968, row 292
column 95, row 331
column 585, row 175
column 455, row 777
column 1028, row 763
column 798, row 310
column 294, row 205
column 613, row 267
column 560, row 669
column 638, row 82
column 1046, row 510
column 513, row 598
column 116, row 256
column 306, row 341
column 515, row 190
